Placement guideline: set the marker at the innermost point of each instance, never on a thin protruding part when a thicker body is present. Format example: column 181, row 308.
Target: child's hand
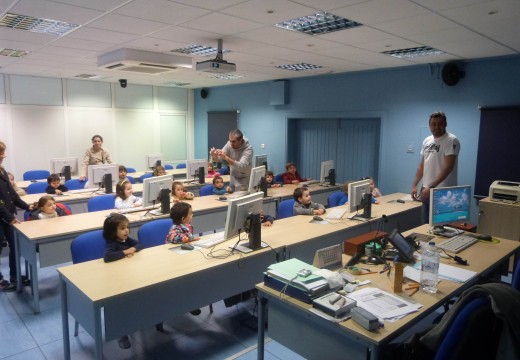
column 195, row 239
column 267, row 223
column 229, row 189
column 295, row 182
column 58, row 192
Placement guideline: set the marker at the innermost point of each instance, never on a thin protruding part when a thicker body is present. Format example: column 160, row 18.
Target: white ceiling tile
column 222, row 24
column 378, row 11
column 269, row 12
column 94, row 34
column 164, row 11
column 126, row 24
column 271, row 35
column 55, row 11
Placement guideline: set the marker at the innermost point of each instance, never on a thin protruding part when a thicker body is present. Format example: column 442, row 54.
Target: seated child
column 122, row 173
column 269, row 179
column 124, row 196
column 375, row 191
column 55, row 186
column 211, row 171
column 303, row 204
column 159, row 170
column 119, row 246
column 291, row 176
column 218, row 186
column 46, row 208
column 19, row 191
column 344, row 199
column 267, row 220
column 179, row 193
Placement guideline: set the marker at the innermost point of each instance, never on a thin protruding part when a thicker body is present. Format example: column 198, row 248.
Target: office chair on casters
column 516, row 276
column 131, row 179
column 101, row 202
column 130, row 170
column 181, row 166
column 86, row 247
column 75, row 184
column 168, row 167
column 36, row 175
column 334, row 198
column 206, row 190
column 145, row 176
column 285, row 209
column 278, row 178
column 154, row 233
column 37, row 187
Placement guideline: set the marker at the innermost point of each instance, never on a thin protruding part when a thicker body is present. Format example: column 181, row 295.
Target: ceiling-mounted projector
column 217, row 65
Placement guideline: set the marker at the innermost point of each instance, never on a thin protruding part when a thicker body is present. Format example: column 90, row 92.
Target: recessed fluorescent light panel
column 226, row 76
column 413, row 52
column 177, row 84
column 198, row 50
column 13, row 53
column 299, row 67
column 38, row 25
column 318, row 24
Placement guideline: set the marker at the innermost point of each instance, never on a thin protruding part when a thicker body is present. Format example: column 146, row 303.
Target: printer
column 507, row 191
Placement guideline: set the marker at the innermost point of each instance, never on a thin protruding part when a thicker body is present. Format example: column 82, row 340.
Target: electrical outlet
column 410, row 149
column 262, row 146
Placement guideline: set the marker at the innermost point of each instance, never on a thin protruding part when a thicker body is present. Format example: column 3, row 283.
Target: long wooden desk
column 294, row 326
column 167, row 289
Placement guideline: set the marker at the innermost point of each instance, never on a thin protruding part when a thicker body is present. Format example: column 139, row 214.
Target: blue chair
column 37, row 187
column 224, row 171
column 75, row 184
column 334, row 198
column 168, row 167
column 130, row 170
column 154, row 233
column 101, row 202
column 131, row 179
column 278, row 178
column 206, row 190
column 86, row 247
column 516, row 276
column 144, row 176
column 181, row 166
column 285, row 209
column 36, row 175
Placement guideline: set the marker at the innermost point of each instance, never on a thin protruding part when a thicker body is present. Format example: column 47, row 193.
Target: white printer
column 508, row 191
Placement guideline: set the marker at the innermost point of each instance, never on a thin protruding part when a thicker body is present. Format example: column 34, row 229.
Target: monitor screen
column 58, row 164
column 152, row 187
column 356, row 191
column 325, row 167
column 449, row 204
column 151, row 160
column 192, row 168
column 254, row 180
column 238, row 210
column 402, row 245
column 96, row 174
column 261, row 160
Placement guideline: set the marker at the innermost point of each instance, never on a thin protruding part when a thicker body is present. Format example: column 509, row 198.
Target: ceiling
column 463, row 29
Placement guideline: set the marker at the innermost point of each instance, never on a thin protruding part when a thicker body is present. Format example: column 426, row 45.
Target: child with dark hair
column 211, row 171
column 179, row 193
column 119, row 246
column 46, row 208
column 55, row 185
column 303, row 204
column 344, row 199
column 123, row 172
column 159, row 170
column 219, row 188
column 291, row 176
column 124, row 196
column 269, row 179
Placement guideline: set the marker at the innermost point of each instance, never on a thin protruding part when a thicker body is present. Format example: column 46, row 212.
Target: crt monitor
column 152, row 187
column 58, row 164
column 360, row 198
column 192, row 168
column 257, row 173
column 238, row 211
column 96, row 175
column 325, row 168
column 152, row 159
column 449, row 205
column 261, row 160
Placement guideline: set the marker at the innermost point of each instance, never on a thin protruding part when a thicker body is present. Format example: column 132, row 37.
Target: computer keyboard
column 457, row 243
column 237, row 194
column 210, row 240
column 310, row 182
column 82, row 191
column 136, row 209
column 335, row 213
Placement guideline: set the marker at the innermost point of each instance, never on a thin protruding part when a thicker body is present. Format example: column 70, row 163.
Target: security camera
column 122, row 82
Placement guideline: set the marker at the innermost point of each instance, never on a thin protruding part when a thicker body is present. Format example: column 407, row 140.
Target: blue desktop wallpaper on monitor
column 451, row 204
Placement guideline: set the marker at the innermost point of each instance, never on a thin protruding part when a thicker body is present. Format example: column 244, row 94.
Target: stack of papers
column 446, row 272
column 287, row 272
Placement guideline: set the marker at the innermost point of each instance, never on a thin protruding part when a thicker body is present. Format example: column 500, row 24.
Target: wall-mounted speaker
column 452, row 73
column 204, row 93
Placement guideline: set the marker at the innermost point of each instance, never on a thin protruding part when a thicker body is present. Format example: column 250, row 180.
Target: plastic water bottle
column 430, row 268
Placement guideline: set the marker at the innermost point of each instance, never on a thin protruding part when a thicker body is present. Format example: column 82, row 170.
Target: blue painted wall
column 402, row 97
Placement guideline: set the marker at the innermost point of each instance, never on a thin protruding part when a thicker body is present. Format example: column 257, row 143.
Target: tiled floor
column 227, row 333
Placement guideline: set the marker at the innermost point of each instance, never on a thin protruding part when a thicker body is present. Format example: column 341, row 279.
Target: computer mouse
column 317, row 218
column 187, row 246
column 222, row 198
column 485, row 237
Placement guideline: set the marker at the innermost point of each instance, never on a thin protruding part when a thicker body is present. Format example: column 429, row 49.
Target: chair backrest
column 144, row 176
column 36, row 175
column 37, row 187
column 131, row 179
column 474, row 332
column 66, row 208
column 224, row 170
column 154, row 233
column 181, row 166
column 334, row 198
column 130, row 170
column 168, row 167
column 516, row 276
column 285, row 209
column 206, row 190
column 88, row 246
column 278, row 178
column 101, row 202
column 75, row 184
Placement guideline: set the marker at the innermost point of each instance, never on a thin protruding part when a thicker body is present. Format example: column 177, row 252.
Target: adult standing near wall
column 238, row 153
column 438, row 166
column 94, row 155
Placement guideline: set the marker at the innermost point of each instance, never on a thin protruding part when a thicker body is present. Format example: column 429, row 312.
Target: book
column 288, row 270
column 292, row 291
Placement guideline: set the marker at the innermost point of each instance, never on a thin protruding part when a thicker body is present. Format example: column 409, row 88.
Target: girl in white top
column 124, row 197
column 46, row 208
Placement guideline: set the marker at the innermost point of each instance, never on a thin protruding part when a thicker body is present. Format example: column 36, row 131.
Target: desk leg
column 261, row 328
column 18, row 262
column 374, row 352
column 65, row 320
column 98, row 336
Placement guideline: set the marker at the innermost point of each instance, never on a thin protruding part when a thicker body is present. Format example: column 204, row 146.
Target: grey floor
column 227, row 333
